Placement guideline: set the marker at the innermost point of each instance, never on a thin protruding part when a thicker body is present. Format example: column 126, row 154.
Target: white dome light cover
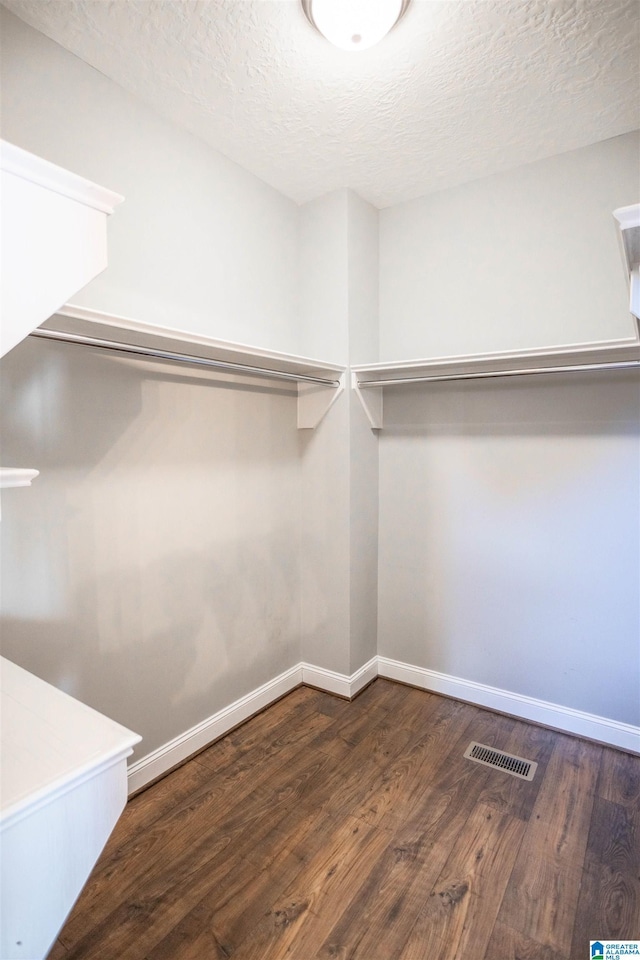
column 354, row 24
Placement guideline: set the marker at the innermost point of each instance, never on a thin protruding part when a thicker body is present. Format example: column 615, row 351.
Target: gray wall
column 152, row 570
column 509, row 526
column 338, row 301
column 509, row 536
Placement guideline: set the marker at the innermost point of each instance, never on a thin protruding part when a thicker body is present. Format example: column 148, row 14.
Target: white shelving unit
column 319, row 384
column 54, row 238
column 628, row 219
column 16, row 477
column 63, row 782
column 64, row 785
column 370, row 380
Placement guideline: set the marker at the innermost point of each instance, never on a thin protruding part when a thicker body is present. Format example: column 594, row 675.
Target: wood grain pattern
column 620, row 778
column 317, row 895
column 561, row 815
column 541, row 901
column 328, row 829
column 459, row 916
column 609, row 902
column 510, row 794
column 506, row 942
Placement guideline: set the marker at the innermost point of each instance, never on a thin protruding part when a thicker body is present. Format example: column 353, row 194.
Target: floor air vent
column 517, row 766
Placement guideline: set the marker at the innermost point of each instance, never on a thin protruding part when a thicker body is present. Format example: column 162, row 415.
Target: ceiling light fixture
column 354, row 24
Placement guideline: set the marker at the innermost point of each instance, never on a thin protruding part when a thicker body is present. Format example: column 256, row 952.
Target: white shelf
column 319, row 383
column 93, row 323
column 370, row 380
column 49, row 740
column 43, row 173
column 64, row 784
column 54, row 238
column 629, row 225
column 16, row 477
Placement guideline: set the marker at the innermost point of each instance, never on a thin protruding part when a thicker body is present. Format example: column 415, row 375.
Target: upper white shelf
column 629, row 223
column 43, row 173
column 16, row 477
column 319, row 383
column 54, row 239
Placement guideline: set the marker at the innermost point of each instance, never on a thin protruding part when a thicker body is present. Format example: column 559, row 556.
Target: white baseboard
column 155, row 764
column 170, row 754
column 616, row 734
column 340, row 683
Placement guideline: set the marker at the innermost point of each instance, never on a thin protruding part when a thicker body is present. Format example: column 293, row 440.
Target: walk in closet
column 274, row 442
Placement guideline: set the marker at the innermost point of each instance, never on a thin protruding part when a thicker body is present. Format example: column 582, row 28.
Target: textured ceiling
column 459, row 90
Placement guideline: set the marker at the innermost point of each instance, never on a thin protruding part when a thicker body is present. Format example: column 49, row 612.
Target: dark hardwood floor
column 328, row 829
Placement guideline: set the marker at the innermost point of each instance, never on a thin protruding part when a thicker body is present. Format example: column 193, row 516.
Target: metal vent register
column 517, row 766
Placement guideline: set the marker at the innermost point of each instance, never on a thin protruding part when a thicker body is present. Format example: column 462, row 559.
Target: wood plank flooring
column 357, row 831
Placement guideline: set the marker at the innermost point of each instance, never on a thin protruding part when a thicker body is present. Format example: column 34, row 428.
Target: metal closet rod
column 229, row 365
column 485, row 375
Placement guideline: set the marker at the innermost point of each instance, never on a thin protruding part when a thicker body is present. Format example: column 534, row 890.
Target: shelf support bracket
column 315, row 401
column 371, row 400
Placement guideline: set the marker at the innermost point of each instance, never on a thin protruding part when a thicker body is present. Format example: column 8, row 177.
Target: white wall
column 153, row 569
column 524, row 259
column 509, row 547
column 322, row 277
column 364, row 267
column 199, row 244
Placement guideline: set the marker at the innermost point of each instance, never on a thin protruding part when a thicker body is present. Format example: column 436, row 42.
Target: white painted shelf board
column 43, row 173
column 93, row 323
column 628, row 219
column 16, row 477
column 619, row 351
column 54, row 239
column 50, row 742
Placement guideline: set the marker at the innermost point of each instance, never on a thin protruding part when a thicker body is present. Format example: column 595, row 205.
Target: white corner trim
column 340, row 683
column 364, row 676
column 612, row 732
column 170, row 754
